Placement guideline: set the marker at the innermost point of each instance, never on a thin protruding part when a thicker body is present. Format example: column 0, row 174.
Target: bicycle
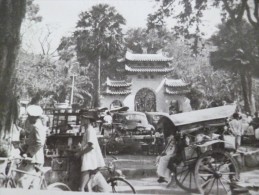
column 9, row 180
column 115, row 179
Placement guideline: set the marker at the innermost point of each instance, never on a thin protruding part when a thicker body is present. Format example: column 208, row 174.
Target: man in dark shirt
column 255, row 121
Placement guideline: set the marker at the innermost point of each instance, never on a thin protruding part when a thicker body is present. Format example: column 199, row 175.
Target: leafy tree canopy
column 99, row 32
column 189, row 15
column 99, row 38
column 232, row 41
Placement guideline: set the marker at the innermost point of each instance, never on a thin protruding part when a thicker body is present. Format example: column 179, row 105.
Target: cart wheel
column 215, row 170
column 184, row 177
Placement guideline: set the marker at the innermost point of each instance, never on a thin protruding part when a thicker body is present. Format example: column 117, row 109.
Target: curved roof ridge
column 118, row 83
column 176, row 92
column 118, row 92
column 164, row 70
column 146, row 57
column 175, row 83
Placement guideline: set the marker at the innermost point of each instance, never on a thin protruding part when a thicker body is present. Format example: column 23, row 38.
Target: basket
column 59, row 164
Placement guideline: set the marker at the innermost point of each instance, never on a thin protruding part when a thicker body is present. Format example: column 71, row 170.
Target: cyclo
column 202, row 164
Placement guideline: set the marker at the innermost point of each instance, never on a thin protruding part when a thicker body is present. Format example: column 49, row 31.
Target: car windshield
column 134, row 117
column 130, row 117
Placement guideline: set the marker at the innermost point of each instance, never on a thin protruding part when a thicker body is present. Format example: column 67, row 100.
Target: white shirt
column 236, row 127
column 108, row 119
column 36, row 140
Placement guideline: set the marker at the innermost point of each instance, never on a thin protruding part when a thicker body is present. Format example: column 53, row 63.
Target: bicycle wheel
column 120, row 185
column 58, row 187
column 214, row 172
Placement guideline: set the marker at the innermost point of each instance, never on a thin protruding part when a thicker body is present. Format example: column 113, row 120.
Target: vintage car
column 132, row 122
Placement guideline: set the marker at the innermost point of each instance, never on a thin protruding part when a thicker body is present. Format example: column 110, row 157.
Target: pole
column 99, row 82
column 72, row 90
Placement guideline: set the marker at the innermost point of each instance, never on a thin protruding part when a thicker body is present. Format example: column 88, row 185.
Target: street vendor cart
column 62, row 144
column 202, row 164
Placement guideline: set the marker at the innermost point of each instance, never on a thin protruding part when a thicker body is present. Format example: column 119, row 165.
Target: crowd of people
column 241, row 125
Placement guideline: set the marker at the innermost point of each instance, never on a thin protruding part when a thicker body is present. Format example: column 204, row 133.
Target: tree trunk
column 11, row 14
column 98, row 90
column 246, row 82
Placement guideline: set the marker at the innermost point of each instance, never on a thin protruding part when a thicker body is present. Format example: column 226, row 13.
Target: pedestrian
column 236, row 128
column 245, row 123
column 255, row 125
column 107, row 123
column 91, row 155
column 33, row 146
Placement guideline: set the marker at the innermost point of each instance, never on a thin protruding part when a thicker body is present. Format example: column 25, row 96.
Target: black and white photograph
column 129, row 97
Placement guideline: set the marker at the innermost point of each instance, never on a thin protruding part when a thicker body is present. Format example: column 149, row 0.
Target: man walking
column 236, row 128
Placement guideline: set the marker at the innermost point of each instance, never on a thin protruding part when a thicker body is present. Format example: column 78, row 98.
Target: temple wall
column 153, row 82
column 156, row 84
column 106, row 100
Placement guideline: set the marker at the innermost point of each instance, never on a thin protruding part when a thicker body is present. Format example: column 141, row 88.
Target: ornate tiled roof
column 118, row 83
column 149, row 69
column 176, row 86
column 146, row 57
column 175, row 83
column 176, row 92
column 118, row 92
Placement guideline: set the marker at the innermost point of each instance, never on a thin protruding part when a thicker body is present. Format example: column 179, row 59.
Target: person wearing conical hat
column 91, row 155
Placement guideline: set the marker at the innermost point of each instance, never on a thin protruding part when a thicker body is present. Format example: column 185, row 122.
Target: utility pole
column 98, row 82
column 72, row 89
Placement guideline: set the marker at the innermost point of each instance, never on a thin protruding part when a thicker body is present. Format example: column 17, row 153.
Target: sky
column 60, row 16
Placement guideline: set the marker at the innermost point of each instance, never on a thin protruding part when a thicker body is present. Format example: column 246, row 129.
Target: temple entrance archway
column 145, row 100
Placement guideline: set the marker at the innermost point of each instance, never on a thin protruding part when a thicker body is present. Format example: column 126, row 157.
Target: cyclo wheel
column 58, row 187
column 120, row 185
column 184, row 177
column 214, row 172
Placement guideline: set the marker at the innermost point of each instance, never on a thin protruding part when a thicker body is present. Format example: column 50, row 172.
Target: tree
column 152, row 39
column 11, row 16
column 98, row 37
column 236, row 53
column 189, row 21
column 83, row 87
column 31, row 19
